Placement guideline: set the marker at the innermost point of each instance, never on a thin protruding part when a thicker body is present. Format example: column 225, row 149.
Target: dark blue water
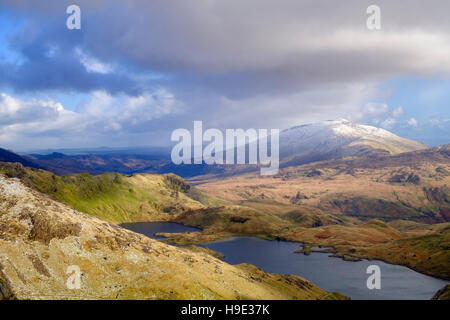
column 332, row 274
column 150, row 228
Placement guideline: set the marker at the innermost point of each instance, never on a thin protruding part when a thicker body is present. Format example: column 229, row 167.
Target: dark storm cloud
column 50, row 56
column 63, row 74
column 245, row 48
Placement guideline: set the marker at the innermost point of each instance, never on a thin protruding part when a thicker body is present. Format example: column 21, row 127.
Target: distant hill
column 411, row 185
column 63, row 164
column 10, row 156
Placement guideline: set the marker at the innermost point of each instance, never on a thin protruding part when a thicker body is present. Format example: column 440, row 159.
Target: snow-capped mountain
column 337, row 138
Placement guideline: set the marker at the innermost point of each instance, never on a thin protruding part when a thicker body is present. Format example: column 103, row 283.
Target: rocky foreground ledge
column 41, row 238
column 442, row 294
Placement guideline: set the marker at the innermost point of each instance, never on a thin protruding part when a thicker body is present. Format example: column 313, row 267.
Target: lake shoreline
column 238, row 249
column 168, row 238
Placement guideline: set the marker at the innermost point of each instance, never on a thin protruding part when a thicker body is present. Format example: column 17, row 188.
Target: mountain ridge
column 331, row 139
column 11, row 156
column 339, row 138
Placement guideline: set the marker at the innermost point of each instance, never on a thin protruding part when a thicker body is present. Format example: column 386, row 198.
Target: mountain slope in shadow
column 10, row 156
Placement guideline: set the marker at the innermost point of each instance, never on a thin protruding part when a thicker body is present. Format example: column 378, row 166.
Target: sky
column 137, row 70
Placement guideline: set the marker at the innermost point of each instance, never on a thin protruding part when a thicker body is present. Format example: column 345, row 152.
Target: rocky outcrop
column 5, row 290
column 43, row 245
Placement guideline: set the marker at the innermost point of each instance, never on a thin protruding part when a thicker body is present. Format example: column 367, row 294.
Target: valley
column 384, row 205
column 360, row 208
column 345, row 276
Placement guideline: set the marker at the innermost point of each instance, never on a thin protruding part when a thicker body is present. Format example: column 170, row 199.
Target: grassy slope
column 144, row 197
column 429, row 253
column 110, row 196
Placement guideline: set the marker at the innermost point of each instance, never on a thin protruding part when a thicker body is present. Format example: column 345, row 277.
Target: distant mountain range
column 326, row 140
column 298, row 145
column 98, row 163
column 62, row 164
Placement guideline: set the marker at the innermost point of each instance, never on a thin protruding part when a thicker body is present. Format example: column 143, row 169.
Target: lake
column 150, row 228
column 331, row 274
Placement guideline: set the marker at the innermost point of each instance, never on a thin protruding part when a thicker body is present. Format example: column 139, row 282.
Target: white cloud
column 92, row 64
column 412, row 122
column 397, row 112
column 375, row 110
column 380, row 114
column 388, row 123
column 129, row 113
column 14, row 111
column 25, row 124
column 440, row 123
